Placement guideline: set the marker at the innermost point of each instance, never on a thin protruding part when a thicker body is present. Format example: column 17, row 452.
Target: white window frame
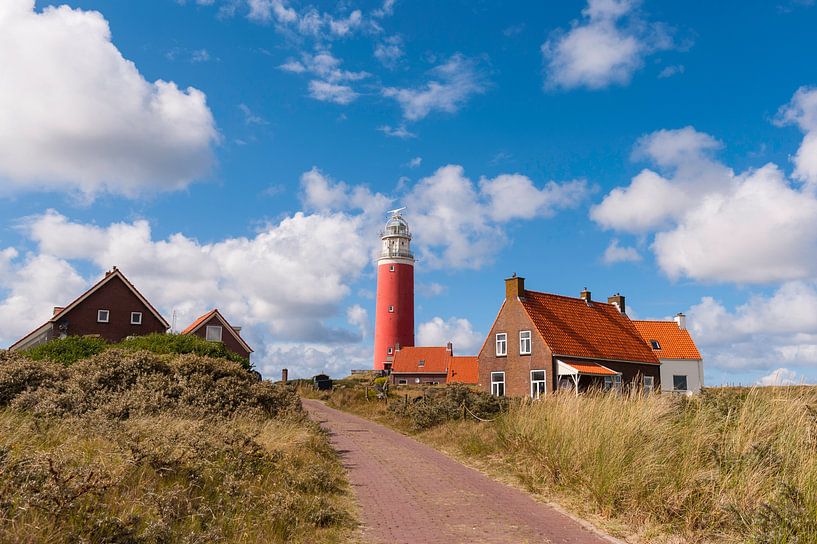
column 220, row 330
column 391, row 309
column 525, row 343
column 402, row 382
column 495, row 390
column 686, row 379
column 612, row 382
column 136, row 318
column 421, row 363
column 390, row 350
column 655, row 344
column 501, row 341
column 99, row 316
column 391, row 268
column 649, row 389
column 534, row 389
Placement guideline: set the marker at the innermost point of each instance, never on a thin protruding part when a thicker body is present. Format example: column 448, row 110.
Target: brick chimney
column 284, row 375
column 681, row 319
column 449, row 348
column 514, row 287
column 617, row 300
column 57, row 309
column 237, row 329
column 585, row 295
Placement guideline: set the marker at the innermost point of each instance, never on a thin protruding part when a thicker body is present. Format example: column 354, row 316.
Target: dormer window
column 655, row 344
column 103, row 316
column 421, row 362
column 213, row 333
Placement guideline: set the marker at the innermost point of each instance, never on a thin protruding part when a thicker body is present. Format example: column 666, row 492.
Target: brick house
column 432, row 365
column 682, row 367
column 112, row 309
column 540, row 342
column 213, row 327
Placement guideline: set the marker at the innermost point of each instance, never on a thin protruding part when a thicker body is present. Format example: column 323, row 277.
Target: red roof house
column 112, row 309
column 214, row 327
column 682, row 369
column 540, row 342
column 432, row 365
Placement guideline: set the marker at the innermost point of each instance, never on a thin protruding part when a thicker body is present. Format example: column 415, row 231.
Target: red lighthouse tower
column 394, row 313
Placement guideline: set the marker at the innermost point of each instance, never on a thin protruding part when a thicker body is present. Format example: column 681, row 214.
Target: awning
column 569, row 367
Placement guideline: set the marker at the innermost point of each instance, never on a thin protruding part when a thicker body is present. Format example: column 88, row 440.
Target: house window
column 498, row 384
column 391, row 268
column 421, row 363
column 136, row 318
column 402, row 382
column 391, row 309
column 679, row 383
column 648, row 384
column 103, row 316
column 501, row 344
column 612, row 382
column 655, row 344
column 537, row 383
column 213, row 333
column 524, row 342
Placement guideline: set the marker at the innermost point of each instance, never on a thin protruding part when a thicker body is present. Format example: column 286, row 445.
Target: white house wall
column 693, row 369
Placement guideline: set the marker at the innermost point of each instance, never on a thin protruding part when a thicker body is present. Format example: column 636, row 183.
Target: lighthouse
column 394, row 312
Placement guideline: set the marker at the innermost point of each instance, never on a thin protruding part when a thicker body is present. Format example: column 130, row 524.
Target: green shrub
column 179, row 344
column 452, row 402
column 67, row 351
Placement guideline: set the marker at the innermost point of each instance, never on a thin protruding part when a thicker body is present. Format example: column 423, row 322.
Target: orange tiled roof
column 585, row 367
column 408, row 359
column 463, row 370
column 675, row 342
column 195, row 324
column 572, row 327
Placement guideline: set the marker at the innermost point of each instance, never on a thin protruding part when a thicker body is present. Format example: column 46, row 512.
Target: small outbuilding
column 322, row 382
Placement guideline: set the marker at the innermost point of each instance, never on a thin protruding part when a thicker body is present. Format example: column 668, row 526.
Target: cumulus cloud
column 802, row 111
column 77, row 116
column 710, row 223
column 457, row 330
column 781, row 376
column 616, row 253
column 451, row 85
column 604, row 48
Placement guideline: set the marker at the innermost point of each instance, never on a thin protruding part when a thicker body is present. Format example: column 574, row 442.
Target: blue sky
column 241, row 153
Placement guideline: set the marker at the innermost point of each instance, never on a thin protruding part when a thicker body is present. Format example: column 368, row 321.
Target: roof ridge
column 577, row 299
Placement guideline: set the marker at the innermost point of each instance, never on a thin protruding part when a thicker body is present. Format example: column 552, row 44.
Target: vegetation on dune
column 137, row 447
column 71, row 349
column 731, row 465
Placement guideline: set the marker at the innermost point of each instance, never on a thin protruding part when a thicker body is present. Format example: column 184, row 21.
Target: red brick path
column 410, row 493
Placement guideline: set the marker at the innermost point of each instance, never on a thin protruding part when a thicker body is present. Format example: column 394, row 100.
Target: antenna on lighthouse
column 398, row 210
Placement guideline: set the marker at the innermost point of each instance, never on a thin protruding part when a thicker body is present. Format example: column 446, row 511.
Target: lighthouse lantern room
column 394, row 312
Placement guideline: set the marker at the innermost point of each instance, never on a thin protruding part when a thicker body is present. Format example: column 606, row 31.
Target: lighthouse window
column 391, row 309
column 391, row 268
column 391, row 350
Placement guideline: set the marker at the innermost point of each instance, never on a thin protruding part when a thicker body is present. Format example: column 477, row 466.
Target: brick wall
column 424, row 378
column 226, row 338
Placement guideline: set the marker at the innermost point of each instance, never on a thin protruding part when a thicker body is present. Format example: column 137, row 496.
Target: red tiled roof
column 435, row 359
column 587, row 367
column 675, row 342
column 195, row 324
column 463, row 370
column 572, row 327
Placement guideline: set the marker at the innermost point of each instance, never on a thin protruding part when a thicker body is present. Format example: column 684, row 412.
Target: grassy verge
column 733, row 465
column 145, row 448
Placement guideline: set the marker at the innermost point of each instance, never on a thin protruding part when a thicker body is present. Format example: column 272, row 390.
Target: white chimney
column 681, row 319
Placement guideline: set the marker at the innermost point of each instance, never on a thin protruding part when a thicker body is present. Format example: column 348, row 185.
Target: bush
column 119, row 384
column 67, row 351
column 449, row 403
column 181, row 344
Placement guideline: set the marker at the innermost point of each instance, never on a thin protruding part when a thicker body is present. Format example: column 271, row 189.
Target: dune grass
column 732, row 465
column 145, row 448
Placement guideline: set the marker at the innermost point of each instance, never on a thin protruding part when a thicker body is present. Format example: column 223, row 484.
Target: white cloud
column 604, row 49
column 358, row 316
column 710, row 223
column 77, row 116
column 389, row 51
column 514, row 196
column 306, row 360
column 415, row 162
column 331, row 92
column 459, row 331
column 386, row 9
column 429, row 290
column 620, row 254
column 397, row 132
column 672, row 70
column 781, row 376
column 802, row 111
column 452, row 84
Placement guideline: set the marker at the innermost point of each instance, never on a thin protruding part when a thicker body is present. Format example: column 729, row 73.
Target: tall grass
column 731, row 465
